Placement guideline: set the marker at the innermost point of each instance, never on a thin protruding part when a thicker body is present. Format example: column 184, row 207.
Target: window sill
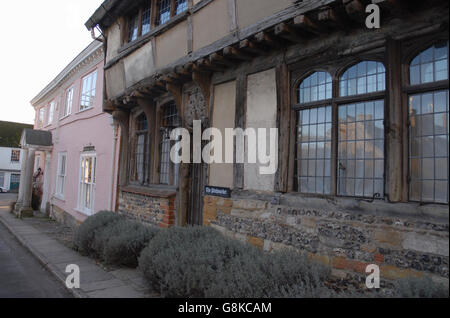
column 159, row 191
column 64, row 117
column 84, row 212
column 59, row 197
column 85, row 110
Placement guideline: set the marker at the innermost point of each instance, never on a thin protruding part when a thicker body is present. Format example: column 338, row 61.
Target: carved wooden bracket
column 203, row 80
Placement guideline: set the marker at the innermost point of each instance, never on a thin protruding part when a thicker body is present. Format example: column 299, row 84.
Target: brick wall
column 347, row 240
column 157, row 211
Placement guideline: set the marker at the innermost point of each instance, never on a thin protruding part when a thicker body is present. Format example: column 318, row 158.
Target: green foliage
column 84, row 239
column 124, row 241
column 113, row 239
column 10, row 133
column 199, row 262
column 420, row 288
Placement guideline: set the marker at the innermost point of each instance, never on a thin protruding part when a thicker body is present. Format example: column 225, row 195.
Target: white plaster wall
column 261, row 113
column 224, row 111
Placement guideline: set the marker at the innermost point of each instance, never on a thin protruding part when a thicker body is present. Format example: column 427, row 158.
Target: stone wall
column 347, row 239
column 145, row 208
column 63, row 217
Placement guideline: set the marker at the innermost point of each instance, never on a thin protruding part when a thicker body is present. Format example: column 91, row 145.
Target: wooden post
column 394, row 170
column 123, row 118
column 281, row 182
column 240, row 122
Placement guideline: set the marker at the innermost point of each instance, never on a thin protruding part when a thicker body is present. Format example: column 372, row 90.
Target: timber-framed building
column 362, row 117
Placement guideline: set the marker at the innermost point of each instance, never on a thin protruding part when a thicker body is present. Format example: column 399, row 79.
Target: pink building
column 77, row 172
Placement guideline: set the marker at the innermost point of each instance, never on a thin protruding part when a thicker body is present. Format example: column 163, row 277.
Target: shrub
column 420, row 288
column 200, row 262
column 84, row 239
column 113, row 239
column 278, row 275
column 124, row 242
column 183, row 262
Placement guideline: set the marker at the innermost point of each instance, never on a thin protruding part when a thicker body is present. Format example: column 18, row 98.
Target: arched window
column 363, row 78
column 315, row 87
column 314, row 135
column 360, row 158
column 141, row 146
column 428, row 126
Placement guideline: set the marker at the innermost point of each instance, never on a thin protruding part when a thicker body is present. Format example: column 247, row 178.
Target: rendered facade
column 75, row 168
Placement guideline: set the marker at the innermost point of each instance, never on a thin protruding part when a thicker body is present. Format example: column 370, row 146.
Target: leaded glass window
column 431, row 65
column 363, row 78
column 428, row 112
column 361, row 149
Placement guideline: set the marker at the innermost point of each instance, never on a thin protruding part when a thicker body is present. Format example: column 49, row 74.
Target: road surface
column 21, row 275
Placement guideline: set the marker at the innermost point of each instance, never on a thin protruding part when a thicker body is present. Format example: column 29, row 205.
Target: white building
column 10, row 164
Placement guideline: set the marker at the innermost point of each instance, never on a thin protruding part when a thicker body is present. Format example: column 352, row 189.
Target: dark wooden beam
column 264, row 38
column 217, row 58
column 205, row 64
column 236, row 54
column 355, row 10
column 287, row 32
column 307, row 25
column 329, row 18
column 252, row 47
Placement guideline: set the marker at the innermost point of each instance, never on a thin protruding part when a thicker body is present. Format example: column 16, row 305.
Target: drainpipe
column 113, row 164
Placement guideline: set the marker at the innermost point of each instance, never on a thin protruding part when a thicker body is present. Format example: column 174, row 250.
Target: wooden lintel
column 267, row 39
column 234, row 53
column 171, row 78
column 304, row 23
column 252, row 47
column 328, row 17
column 287, row 32
column 355, row 9
column 207, row 65
column 217, row 58
column 181, row 71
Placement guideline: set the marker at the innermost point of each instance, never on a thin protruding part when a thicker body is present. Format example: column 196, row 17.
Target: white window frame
column 61, row 176
column 68, row 102
column 41, row 116
column 51, row 113
column 88, row 90
column 82, row 206
column 2, row 178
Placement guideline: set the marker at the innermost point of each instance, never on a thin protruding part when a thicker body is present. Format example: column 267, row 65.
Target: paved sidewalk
column 95, row 281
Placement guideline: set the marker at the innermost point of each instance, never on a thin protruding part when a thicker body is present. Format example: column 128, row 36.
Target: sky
column 39, row 39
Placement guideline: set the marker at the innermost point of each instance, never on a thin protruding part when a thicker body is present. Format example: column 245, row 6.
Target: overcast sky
column 39, row 38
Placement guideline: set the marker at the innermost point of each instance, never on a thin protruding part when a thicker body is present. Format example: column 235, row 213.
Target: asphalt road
column 21, row 275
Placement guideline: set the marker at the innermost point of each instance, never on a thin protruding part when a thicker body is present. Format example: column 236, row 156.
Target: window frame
column 172, row 174
column 81, row 207
column 92, row 88
column 67, row 111
column 13, row 151
column 408, row 90
column 138, row 13
column 41, row 116
column 58, row 193
column 51, row 113
column 134, row 179
column 336, row 69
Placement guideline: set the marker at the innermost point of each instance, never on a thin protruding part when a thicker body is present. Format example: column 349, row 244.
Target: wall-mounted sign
column 89, row 149
column 218, row 192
